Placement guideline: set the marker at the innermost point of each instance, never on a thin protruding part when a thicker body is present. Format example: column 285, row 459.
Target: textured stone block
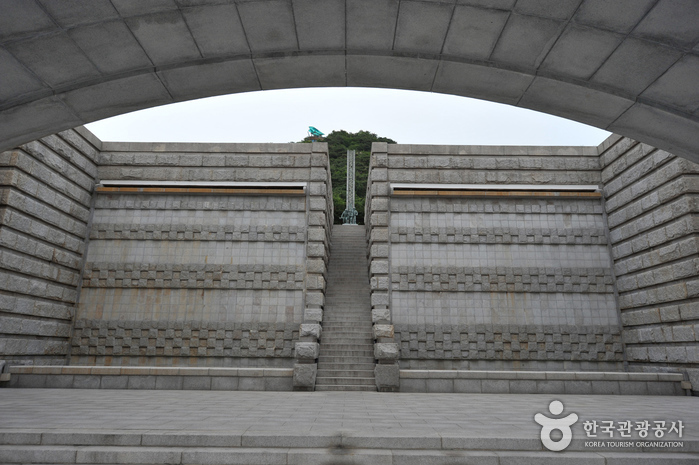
column 440, row 385
column 315, row 299
column 413, row 385
column 387, row 377
column 313, row 315
column 306, row 350
column 169, row 382
column 224, row 383
column 379, row 299
column 141, row 382
column 305, row 375
column 386, row 351
column 380, row 315
column 114, row 382
column 196, row 383
column 312, row 330
column 495, row 386
column 383, row 331
column 278, row 383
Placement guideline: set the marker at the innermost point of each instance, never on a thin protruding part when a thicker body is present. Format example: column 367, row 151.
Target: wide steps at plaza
column 69, row 426
column 346, row 358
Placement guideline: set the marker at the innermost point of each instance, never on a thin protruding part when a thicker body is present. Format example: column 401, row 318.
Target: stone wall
column 652, row 203
column 46, row 191
column 499, row 281
column 193, row 279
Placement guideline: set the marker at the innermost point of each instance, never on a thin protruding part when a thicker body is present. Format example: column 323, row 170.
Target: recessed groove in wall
column 196, row 190
column 503, row 193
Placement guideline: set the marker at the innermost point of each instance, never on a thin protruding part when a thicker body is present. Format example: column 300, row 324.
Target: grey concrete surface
column 627, row 66
column 127, row 426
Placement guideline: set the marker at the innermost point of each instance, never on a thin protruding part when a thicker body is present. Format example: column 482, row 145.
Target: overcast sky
column 407, row 117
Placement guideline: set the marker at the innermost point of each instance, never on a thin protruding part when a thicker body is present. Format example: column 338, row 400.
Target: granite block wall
column 652, row 202
column 184, row 279
column 46, row 189
column 499, row 281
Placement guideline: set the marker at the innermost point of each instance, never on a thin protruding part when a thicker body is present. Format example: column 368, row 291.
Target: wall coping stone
column 547, row 375
column 152, row 371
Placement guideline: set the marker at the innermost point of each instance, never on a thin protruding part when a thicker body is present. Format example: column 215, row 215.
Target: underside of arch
column 630, row 70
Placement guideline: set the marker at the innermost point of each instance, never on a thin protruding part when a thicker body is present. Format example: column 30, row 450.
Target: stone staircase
column 346, row 359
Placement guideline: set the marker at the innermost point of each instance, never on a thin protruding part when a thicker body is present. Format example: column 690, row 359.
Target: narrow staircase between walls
column 346, row 359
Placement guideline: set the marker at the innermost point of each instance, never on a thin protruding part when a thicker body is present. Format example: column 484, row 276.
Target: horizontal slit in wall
column 204, row 187
column 494, row 190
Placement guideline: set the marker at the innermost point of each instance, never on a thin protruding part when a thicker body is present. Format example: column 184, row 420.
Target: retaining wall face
column 495, row 283
column 652, row 204
column 202, row 280
column 46, row 190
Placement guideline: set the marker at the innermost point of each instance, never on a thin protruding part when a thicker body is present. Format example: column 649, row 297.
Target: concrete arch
column 629, row 66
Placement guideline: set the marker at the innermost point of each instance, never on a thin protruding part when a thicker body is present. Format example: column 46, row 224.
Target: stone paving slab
column 103, row 424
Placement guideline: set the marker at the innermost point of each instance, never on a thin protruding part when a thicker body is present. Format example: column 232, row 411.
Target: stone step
column 351, row 387
column 349, row 329
column 332, row 373
column 346, row 366
column 345, row 316
column 349, row 332
column 345, row 345
column 347, row 325
column 333, row 352
column 370, row 447
column 347, row 339
column 351, row 325
column 344, row 381
column 365, row 339
column 334, row 358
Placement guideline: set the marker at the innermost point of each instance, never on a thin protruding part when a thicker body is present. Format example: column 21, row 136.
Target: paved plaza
column 362, row 427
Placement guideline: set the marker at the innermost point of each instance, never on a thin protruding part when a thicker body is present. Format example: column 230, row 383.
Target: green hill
column 339, row 142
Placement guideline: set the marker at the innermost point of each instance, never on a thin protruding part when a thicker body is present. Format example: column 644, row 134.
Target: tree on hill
column 339, row 142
